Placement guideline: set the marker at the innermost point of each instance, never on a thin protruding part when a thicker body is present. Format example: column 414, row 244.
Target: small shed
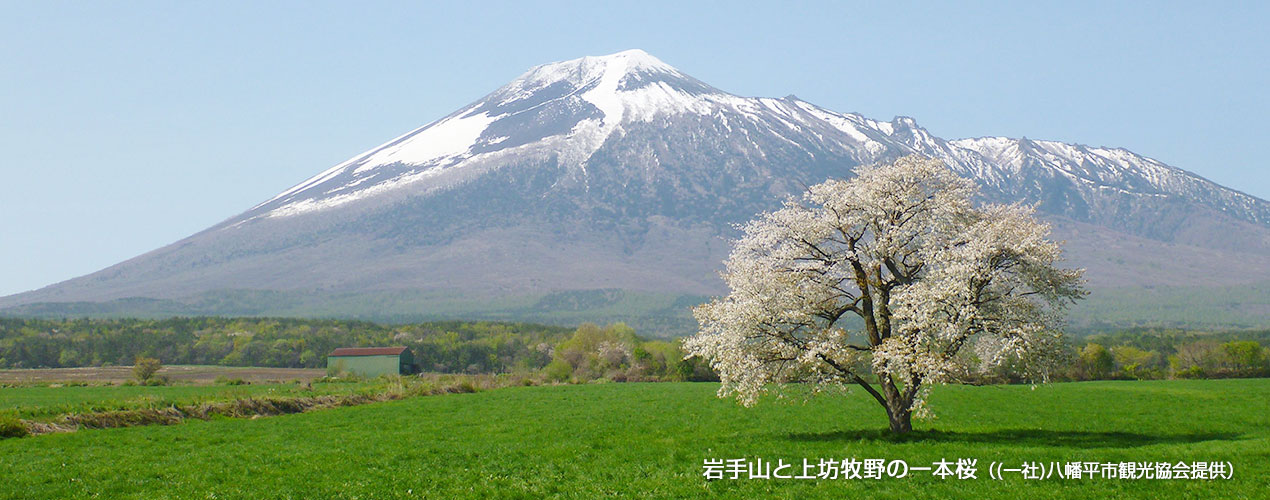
column 371, row 361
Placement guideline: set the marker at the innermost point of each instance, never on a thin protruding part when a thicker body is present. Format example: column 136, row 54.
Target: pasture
column 650, row 441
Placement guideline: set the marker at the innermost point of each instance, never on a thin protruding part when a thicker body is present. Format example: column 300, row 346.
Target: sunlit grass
column 649, row 440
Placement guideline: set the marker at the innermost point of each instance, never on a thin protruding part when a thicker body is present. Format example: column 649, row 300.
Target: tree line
column 446, row 346
column 589, row 352
column 1151, row 353
column 585, row 353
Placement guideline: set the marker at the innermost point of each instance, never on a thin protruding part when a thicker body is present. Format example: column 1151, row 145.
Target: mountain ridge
column 621, row 172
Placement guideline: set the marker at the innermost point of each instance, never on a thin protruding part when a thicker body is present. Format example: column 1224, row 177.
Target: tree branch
column 855, row 378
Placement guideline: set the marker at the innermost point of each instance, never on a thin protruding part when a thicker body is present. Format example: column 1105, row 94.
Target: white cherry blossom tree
column 890, row 281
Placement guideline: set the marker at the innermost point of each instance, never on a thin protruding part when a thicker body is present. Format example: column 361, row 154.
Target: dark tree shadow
column 1021, row 437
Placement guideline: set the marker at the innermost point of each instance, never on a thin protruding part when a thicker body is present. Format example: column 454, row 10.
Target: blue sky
column 126, row 126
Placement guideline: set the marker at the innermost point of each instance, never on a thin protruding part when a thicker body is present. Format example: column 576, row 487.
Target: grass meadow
column 650, row 440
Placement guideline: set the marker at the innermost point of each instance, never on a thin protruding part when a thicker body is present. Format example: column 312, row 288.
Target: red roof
column 368, row 351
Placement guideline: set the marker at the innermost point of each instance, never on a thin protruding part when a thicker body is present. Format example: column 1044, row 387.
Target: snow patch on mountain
column 448, row 138
column 590, row 134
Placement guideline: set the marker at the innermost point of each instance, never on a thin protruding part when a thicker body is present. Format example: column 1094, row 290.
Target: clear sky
column 125, row 126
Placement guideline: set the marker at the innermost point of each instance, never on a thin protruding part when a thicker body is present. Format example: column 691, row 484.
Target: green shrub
column 1244, row 357
column 1192, row 372
column 1095, row 362
column 144, row 368
column 12, row 427
column 559, row 370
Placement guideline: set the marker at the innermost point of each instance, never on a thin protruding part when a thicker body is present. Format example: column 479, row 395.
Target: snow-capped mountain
column 623, row 173
column 565, row 112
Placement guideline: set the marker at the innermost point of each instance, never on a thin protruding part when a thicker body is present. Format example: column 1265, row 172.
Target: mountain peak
column 633, row 59
column 584, row 70
column 904, row 122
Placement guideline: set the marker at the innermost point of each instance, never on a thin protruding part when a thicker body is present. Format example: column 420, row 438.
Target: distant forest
column 587, row 352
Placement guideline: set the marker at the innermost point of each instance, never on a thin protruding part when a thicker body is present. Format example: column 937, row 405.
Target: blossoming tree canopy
column 889, row 281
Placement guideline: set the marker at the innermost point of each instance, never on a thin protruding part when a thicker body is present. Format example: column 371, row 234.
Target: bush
column 1244, row 358
column 559, row 371
column 1095, row 362
column 223, row 380
column 12, row 427
column 1192, row 372
column 1137, row 364
column 144, row 368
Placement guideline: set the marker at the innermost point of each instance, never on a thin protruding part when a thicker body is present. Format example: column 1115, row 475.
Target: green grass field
column 649, row 440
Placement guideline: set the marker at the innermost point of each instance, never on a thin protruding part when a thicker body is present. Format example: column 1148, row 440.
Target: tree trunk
column 901, row 420
column 898, row 407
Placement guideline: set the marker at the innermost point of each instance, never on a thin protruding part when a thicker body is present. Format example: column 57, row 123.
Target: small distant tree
column 1136, row 363
column 559, row 371
column 68, row 357
column 144, row 368
column 926, row 274
column 1095, row 362
column 1244, row 357
column 1196, row 359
